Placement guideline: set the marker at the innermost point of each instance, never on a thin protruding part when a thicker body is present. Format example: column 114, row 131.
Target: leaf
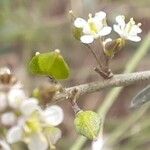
column 51, row 64
column 87, row 123
column 141, row 98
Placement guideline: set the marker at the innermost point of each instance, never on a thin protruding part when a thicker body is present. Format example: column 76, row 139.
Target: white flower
column 29, row 106
column 15, row 98
column 14, row 134
column 94, row 28
column 127, row 31
column 98, row 144
column 8, row 118
column 31, row 126
column 53, row 115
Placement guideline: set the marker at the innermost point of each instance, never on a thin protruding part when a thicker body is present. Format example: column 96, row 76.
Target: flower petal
column 8, row 118
column 14, row 134
column 15, row 97
column 53, row 115
column 79, row 23
column 118, row 30
column 100, row 15
column 134, row 38
column 37, row 141
column 53, row 134
column 135, row 30
column 105, row 31
column 29, row 106
column 86, row 29
column 121, row 21
column 87, row 39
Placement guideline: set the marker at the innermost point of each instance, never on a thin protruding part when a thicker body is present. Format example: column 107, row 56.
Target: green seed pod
column 112, row 47
column 87, row 123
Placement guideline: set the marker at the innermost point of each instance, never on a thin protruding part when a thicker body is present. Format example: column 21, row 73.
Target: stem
column 94, row 54
column 116, row 81
column 73, row 100
column 113, row 94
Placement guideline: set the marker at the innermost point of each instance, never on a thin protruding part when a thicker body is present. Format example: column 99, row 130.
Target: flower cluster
column 25, row 121
column 96, row 27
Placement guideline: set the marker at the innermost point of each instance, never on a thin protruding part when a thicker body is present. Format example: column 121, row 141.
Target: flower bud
column 87, row 123
column 111, row 47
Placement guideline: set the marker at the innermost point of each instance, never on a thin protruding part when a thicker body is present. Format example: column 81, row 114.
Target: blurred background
column 27, row 26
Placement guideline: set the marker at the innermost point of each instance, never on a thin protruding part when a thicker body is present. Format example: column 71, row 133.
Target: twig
column 94, row 54
column 113, row 94
column 116, row 81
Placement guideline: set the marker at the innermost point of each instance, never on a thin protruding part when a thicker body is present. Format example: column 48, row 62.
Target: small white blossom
column 94, row 28
column 8, row 119
column 127, row 31
column 30, row 127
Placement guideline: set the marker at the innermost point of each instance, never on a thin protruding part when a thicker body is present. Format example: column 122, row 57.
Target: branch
column 116, row 81
column 113, row 94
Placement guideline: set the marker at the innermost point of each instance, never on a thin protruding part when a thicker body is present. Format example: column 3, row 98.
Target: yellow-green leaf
column 51, row 64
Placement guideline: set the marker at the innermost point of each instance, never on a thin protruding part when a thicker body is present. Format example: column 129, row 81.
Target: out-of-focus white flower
column 3, row 101
column 53, row 115
column 37, row 141
column 14, row 134
column 35, row 121
column 15, row 97
column 94, row 28
column 8, row 119
column 4, row 145
column 127, row 31
column 98, row 144
column 29, row 106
